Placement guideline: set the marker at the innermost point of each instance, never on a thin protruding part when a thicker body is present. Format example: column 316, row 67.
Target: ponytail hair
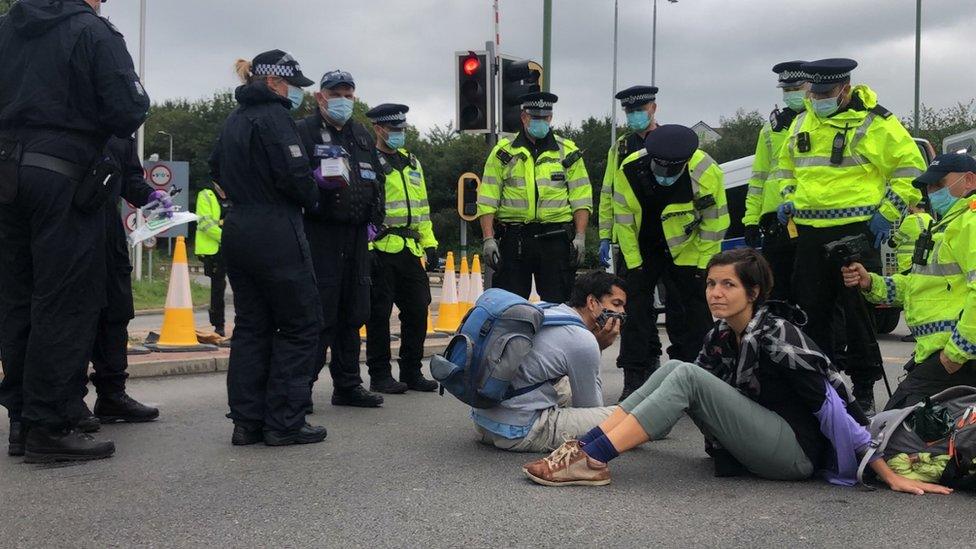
column 752, row 269
column 242, row 67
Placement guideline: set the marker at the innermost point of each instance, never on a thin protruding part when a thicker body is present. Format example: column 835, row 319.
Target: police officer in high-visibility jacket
column 762, row 229
column 398, row 276
column 939, row 294
column 669, row 218
column 536, row 188
column 907, row 234
column 211, row 208
column 846, row 169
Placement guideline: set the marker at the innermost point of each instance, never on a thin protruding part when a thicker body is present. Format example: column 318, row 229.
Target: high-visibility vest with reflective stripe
column 527, row 190
column 693, row 235
column 905, row 237
column 939, row 298
column 206, row 241
column 406, row 206
column 763, row 194
column 876, row 166
column 614, row 158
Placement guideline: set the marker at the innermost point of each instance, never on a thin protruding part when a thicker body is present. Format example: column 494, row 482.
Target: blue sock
column 601, row 449
column 591, row 435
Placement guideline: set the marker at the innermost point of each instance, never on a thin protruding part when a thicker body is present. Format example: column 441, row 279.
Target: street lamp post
column 170, row 136
column 654, row 41
column 918, row 60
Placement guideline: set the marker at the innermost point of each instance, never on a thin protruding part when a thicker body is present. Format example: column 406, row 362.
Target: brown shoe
column 568, row 465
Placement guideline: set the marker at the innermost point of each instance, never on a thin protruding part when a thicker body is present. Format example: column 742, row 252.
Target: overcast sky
column 713, row 56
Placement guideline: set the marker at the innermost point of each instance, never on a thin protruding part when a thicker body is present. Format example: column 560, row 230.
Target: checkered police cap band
column 284, row 67
column 789, row 76
column 827, row 78
column 538, row 104
column 642, row 98
column 396, row 117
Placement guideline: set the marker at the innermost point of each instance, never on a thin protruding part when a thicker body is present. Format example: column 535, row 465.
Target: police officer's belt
column 404, row 232
column 54, row 164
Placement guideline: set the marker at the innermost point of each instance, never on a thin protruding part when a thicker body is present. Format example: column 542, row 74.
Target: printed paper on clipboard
column 157, row 223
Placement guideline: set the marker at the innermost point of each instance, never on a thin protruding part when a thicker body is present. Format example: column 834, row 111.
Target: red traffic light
column 471, row 65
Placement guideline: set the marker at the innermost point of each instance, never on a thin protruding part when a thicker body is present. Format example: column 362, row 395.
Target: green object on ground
column 924, row 466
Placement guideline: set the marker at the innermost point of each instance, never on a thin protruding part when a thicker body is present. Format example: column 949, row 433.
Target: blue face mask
column 296, row 96
column 538, row 128
column 668, row 180
column 396, row 139
column 638, row 120
column 340, row 109
column 825, row 107
column 794, row 99
column 941, row 201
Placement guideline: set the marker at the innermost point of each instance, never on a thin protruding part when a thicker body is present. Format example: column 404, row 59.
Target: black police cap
column 538, row 103
column 336, row 78
column 671, row 144
column 389, row 114
column 279, row 63
column 827, row 73
column 636, row 96
column 945, row 164
column 790, row 73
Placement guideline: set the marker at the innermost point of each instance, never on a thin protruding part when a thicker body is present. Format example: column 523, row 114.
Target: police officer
column 669, row 217
column 212, row 206
column 406, row 235
column 261, row 164
column 762, row 229
column 68, row 84
column 536, row 187
column 109, row 352
column 338, row 233
column 640, row 105
column 903, row 240
column 846, row 169
column 939, row 294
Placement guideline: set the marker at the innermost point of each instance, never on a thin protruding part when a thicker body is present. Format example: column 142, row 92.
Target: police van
column 737, row 173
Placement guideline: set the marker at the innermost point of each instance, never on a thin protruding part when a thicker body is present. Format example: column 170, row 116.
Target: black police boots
column 246, row 434
column 633, row 379
column 121, row 408
column 387, row 385
column 16, row 439
column 417, row 382
column 46, row 445
column 356, row 396
column 308, row 434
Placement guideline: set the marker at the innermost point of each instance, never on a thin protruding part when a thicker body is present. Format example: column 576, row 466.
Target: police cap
column 790, row 73
column 945, row 164
column 336, row 78
column 279, row 63
column 389, row 114
column 827, row 73
column 538, row 103
column 636, row 96
column 671, row 146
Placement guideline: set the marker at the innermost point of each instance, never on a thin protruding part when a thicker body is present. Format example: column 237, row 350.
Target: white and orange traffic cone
column 477, row 282
column 179, row 333
column 448, row 314
column 464, row 288
column 533, row 294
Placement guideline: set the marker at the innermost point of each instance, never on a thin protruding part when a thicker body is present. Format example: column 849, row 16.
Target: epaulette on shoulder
column 503, row 156
column 881, row 111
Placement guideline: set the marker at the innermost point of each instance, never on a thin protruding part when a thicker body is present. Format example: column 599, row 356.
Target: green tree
column 739, row 135
column 937, row 124
column 5, row 6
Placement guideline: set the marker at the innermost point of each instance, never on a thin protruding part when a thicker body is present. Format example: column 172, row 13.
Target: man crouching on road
column 538, row 421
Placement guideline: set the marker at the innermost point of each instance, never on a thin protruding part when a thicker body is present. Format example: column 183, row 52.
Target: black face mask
column 607, row 314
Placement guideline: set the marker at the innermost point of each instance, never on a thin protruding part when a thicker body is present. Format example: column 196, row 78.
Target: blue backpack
column 484, row 355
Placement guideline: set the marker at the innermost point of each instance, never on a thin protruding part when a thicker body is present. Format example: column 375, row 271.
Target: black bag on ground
column 10, row 151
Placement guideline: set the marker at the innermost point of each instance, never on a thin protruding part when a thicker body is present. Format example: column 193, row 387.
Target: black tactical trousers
column 401, row 279
column 818, row 287
column 277, row 317
column 52, row 287
column 928, row 378
column 687, row 317
column 342, row 268
column 540, row 249
column 109, row 359
column 215, row 268
column 780, row 251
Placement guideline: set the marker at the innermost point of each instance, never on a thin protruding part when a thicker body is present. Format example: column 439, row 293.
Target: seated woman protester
column 767, row 399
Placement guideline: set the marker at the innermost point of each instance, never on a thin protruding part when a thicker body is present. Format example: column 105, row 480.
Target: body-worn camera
column 847, row 250
column 923, row 246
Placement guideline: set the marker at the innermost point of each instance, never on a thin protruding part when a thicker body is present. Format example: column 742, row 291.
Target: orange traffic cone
column 362, row 332
column 430, row 320
column 448, row 315
column 179, row 333
column 477, row 283
column 464, row 288
column 534, row 295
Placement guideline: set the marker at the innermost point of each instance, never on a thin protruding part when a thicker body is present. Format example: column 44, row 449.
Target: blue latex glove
column 163, row 202
column 784, row 212
column 605, row 252
column 881, row 229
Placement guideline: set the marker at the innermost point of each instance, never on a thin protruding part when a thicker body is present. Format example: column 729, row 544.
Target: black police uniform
column 261, row 164
column 68, row 84
column 338, row 240
column 778, row 247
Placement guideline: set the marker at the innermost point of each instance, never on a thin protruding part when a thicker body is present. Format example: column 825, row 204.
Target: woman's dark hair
column 751, row 268
column 596, row 284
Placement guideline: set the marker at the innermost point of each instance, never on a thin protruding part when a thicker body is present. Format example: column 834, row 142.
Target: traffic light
column 472, row 91
column 467, row 196
column 518, row 79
